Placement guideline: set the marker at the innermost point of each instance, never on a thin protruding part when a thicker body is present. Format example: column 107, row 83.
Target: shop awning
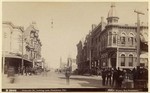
column 17, row 57
column 144, row 57
column 12, row 56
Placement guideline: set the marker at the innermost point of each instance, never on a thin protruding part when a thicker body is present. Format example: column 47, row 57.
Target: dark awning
column 17, row 57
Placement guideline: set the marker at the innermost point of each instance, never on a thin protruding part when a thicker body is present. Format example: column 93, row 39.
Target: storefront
column 14, row 61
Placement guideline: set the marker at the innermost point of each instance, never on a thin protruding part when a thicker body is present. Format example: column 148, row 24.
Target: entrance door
column 113, row 62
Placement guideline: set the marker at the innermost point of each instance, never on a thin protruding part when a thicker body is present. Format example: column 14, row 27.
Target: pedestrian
column 125, row 83
column 19, row 70
column 109, row 74
column 26, row 71
column 67, row 74
column 136, row 75
column 98, row 71
column 44, row 72
column 11, row 74
column 103, row 76
column 114, row 77
column 120, row 78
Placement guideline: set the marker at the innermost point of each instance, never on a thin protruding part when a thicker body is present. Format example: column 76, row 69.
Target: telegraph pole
column 138, row 36
column 90, row 62
column 22, row 62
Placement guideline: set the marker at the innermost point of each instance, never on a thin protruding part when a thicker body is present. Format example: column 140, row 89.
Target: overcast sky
column 71, row 22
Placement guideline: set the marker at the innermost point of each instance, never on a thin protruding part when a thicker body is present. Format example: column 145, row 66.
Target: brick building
column 110, row 45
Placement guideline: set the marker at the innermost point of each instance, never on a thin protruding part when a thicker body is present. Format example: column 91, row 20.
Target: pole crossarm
column 138, row 12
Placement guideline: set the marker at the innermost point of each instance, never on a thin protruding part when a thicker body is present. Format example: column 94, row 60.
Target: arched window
column 123, row 35
column 131, row 39
column 122, row 60
column 130, row 60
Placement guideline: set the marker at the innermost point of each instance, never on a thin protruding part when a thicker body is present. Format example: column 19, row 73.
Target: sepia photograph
column 74, row 46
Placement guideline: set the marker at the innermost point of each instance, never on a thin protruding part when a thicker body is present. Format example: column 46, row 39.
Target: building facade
column 33, row 45
column 18, row 48
column 109, row 45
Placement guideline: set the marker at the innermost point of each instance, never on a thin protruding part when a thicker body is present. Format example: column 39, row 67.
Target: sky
column 71, row 22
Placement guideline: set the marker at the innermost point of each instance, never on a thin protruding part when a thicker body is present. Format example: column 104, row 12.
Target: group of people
column 116, row 77
column 28, row 70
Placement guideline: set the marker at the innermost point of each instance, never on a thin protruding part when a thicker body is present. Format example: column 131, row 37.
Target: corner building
column 111, row 44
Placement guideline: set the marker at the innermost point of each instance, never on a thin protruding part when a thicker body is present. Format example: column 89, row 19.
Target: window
column 123, row 38
column 110, row 35
column 114, row 38
column 131, row 39
column 122, row 60
column 130, row 60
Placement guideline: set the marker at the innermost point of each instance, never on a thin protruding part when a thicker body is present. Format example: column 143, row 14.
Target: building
column 18, row 48
column 109, row 45
column 33, row 45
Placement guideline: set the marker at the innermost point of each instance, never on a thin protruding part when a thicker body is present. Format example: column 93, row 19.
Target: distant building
column 109, row 45
column 33, row 44
column 19, row 45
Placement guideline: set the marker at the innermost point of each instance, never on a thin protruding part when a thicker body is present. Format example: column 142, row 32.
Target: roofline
column 13, row 26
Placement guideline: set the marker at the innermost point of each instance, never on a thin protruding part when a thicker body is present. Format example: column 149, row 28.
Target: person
column 44, row 72
column 109, row 74
column 136, row 76
column 120, row 77
column 19, row 70
column 114, row 77
column 103, row 76
column 125, row 82
column 145, row 77
column 98, row 71
column 11, row 74
column 67, row 74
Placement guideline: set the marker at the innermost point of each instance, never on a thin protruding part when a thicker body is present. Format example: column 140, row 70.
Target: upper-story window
column 110, row 38
column 114, row 38
column 123, row 38
column 131, row 39
column 122, row 60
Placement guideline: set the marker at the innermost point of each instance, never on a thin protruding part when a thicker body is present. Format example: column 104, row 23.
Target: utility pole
column 22, row 62
column 138, row 36
column 90, row 54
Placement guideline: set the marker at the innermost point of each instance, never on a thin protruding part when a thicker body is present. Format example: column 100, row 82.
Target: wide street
column 53, row 80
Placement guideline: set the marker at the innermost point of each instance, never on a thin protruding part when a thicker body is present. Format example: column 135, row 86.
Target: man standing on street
column 103, row 76
column 67, row 74
column 114, row 78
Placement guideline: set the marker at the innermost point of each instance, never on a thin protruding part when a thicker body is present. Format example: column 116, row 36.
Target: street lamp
column 138, row 36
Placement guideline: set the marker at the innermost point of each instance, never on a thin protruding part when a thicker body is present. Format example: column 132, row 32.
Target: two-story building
column 111, row 44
